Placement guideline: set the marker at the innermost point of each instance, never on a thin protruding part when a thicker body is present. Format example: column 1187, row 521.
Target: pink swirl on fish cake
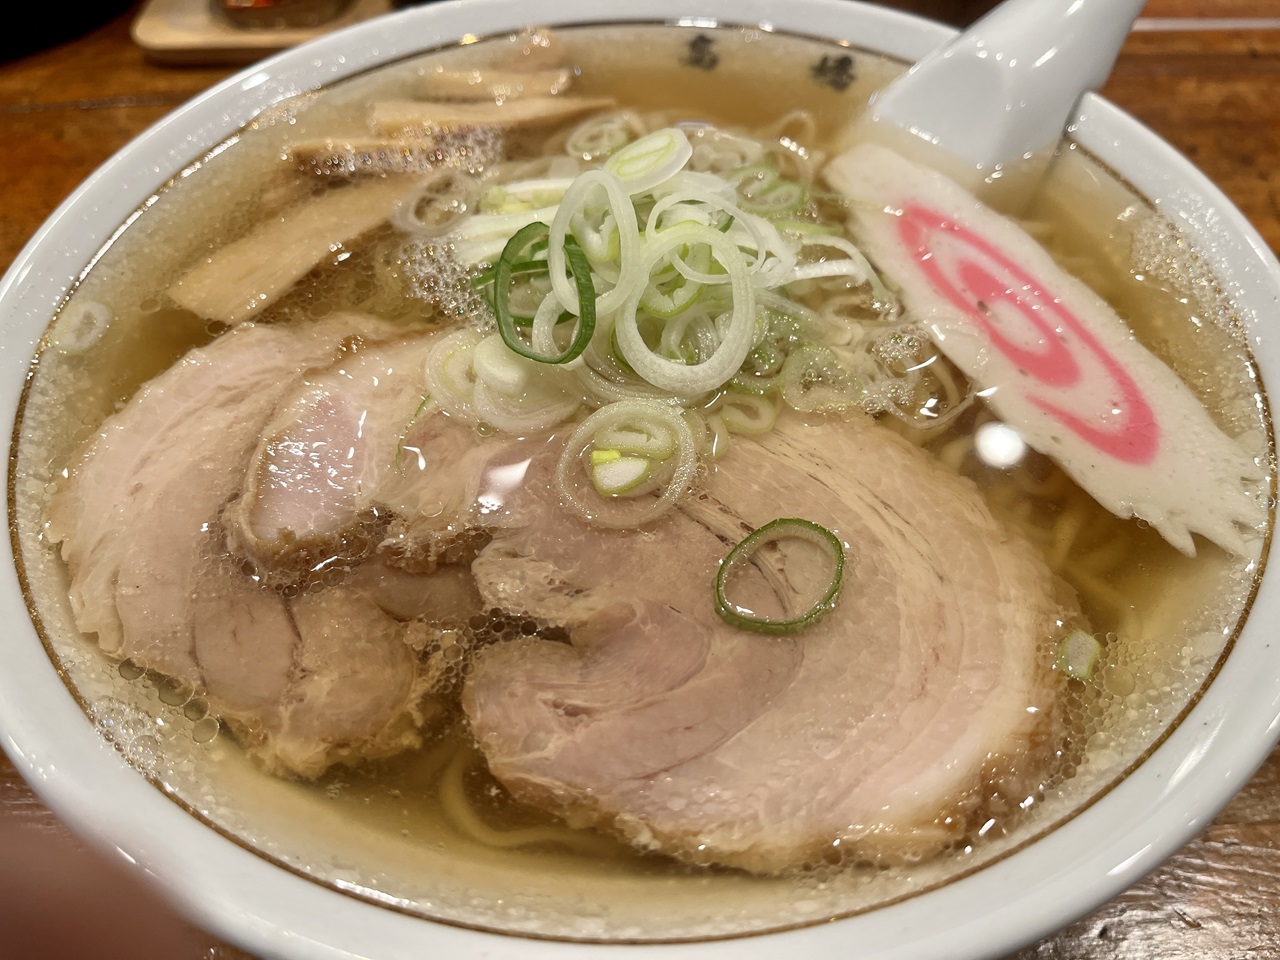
column 975, row 276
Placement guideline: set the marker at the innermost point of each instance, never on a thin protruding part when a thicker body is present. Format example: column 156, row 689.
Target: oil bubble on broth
column 430, row 810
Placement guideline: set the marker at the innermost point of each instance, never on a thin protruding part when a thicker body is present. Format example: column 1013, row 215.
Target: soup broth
column 430, row 831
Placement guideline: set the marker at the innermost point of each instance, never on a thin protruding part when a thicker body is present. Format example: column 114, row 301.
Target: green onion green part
column 534, row 267
column 773, row 531
column 579, row 268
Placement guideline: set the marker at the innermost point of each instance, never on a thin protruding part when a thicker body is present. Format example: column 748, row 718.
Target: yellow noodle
column 954, row 400
column 1106, row 557
column 1103, row 528
column 464, row 819
column 798, row 125
column 433, row 760
column 1053, row 484
column 955, row 452
column 946, row 375
column 1066, row 531
column 1100, row 591
column 717, row 436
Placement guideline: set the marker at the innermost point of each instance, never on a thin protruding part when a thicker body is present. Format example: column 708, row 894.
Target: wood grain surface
column 1213, row 93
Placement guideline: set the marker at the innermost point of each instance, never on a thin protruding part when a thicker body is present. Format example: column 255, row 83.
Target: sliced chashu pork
column 878, row 729
column 247, row 275
column 357, row 443
column 334, row 437
column 325, row 676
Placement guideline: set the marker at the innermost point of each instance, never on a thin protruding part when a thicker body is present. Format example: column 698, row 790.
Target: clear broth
column 380, row 831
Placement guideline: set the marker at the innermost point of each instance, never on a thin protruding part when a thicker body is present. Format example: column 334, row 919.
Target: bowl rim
column 248, row 901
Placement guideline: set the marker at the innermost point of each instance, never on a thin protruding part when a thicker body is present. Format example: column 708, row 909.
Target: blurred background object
column 117, row 916
column 274, row 14
column 958, row 12
column 53, row 24
column 241, row 31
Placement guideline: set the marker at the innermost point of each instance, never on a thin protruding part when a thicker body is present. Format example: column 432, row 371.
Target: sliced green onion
column 600, row 136
column 780, row 199
column 652, row 159
column 449, row 371
column 618, row 475
column 482, row 238
column 665, row 301
column 524, row 267
column 815, row 381
column 736, row 341
column 1078, row 655
column 856, row 266
column 671, row 475
column 583, row 200
column 524, row 195
column 671, row 288
column 745, row 412
column 579, row 269
column 775, row 530
column 501, row 369
column 653, row 441
column 764, row 192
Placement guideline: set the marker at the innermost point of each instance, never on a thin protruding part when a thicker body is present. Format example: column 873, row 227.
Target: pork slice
column 350, row 446
column 448, row 595
column 233, row 384
column 247, row 275
column 334, row 437
column 396, row 116
column 875, row 733
column 137, row 520
column 357, row 690
column 463, row 488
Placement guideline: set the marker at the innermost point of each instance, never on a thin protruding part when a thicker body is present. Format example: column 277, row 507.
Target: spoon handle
column 1006, row 87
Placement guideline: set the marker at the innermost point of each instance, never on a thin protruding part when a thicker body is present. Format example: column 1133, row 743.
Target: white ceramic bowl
column 243, row 897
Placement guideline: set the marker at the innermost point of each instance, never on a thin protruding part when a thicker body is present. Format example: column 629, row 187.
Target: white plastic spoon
column 1005, row 89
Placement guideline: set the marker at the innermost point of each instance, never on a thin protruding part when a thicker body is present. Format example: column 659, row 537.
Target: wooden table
column 1205, row 74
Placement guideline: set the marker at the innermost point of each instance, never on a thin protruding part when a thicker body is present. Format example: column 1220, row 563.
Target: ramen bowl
column 136, row 763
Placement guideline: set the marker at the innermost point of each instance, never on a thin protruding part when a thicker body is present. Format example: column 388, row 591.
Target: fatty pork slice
column 875, row 734
column 322, row 677
column 353, row 445
column 336, row 435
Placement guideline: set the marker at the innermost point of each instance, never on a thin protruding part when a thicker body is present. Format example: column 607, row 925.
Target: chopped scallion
column 618, row 475
column 1078, row 655
column 579, row 269
column 647, row 162
column 532, row 267
column 654, row 443
column 814, row 380
column 772, row 532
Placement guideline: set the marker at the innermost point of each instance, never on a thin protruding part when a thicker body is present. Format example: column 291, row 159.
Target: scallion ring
column 773, row 531
column 579, row 269
column 651, row 430
column 485, row 278
column 1079, row 654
